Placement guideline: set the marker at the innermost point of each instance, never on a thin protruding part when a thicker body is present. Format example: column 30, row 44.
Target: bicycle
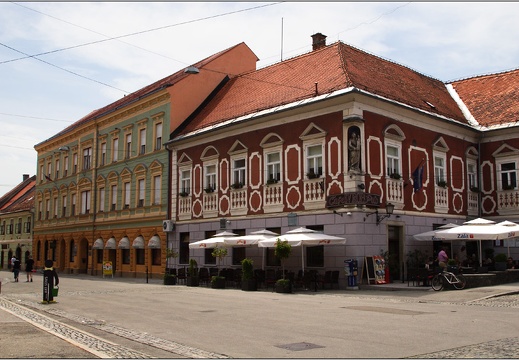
column 439, row 280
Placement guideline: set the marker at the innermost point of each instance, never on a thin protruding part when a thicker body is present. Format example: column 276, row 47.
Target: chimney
column 318, row 41
column 25, row 177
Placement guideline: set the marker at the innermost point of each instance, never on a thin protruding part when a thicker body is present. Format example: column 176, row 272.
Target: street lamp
column 389, row 211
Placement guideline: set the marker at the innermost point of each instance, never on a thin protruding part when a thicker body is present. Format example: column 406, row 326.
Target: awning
column 110, row 243
column 154, row 242
column 98, row 244
column 124, row 243
column 138, row 243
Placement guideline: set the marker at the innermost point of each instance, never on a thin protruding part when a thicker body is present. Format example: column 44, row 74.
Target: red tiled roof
column 21, row 197
column 167, row 81
column 491, row 99
column 337, row 66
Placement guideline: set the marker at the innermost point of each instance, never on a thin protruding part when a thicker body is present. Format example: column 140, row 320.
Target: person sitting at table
column 510, row 264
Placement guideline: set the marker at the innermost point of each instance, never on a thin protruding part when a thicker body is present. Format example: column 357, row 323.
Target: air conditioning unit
column 168, row 225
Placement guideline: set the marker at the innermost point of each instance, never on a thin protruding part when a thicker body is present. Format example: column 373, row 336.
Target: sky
column 61, row 60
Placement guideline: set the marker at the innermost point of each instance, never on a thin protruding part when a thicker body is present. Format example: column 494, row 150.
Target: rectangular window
column 85, row 202
column 210, row 178
column 126, row 256
column 141, row 190
column 73, row 205
column 157, row 189
column 127, row 194
column 99, row 256
column 49, row 169
column 101, row 199
column 115, row 150
column 18, row 229
column 158, row 136
column 27, row 226
column 155, row 257
column 183, row 251
column 74, row 159
column 238, row 173
column 64, row 206
column 508, row 176
column 42, row 173
column 103, row 154
column 142, row 139
column 56, row 170
column 87, row 156
column 439, row 170
column 47, row 210
column 273, row 165
column 139, row 256
column 392, row 160
column 55, row 207
column 65, row 166
column 314, row 160
column 128, row 146
column 472, row 176
column 185, row 182
column 113, row 204
column 40, row 210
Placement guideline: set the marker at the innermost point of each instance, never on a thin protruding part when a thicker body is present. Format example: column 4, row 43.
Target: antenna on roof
column 281, row 39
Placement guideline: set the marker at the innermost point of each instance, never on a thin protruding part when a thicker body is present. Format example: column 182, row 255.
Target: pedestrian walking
column 29, row 266
column 50, row 279
column 16, row 269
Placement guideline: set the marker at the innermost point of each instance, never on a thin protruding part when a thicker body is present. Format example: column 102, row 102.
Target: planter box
column 170, row 280
column 193, row 281
column 218, row 283
column 249, row 285
column 280, row 288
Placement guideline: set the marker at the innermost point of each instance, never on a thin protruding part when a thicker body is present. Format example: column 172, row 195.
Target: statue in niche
column 354, row 151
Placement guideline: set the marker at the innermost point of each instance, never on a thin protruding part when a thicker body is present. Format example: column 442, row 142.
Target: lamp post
column 389, row 211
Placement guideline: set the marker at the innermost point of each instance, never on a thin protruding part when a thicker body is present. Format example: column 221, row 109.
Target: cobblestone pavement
column 102, row 339
column 91, row 343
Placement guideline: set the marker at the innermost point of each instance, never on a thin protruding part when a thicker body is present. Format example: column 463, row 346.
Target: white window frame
column 314, row 163
column 87, row 158
column 472, row 175
column 102, row 194
column 74, row 159
column 157, row 189
column 115, row 149
column 393, row 162
column 65, row 165
column 85, row 202
column 511, row 174
column 141, row 192
column 440, row 169
column 158, row 136
column 239, row 172
column 185, row 181
column 128, row 149
column 273, row 167
column 211, row 175
column 113, row 196
column 103, row 153
column 73, row 201
column 142, row 141
column 127, row 194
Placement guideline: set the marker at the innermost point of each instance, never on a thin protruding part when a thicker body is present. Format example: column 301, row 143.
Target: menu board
column 375, row 269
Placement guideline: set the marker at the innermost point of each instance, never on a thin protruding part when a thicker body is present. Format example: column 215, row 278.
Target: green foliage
column 169, row 279
column 171, row 253
column 452, row 262
column 193, row 268
column 247, row 269
column 416, row 258
column 282, row 252
column 215, row 279
column 500, row 258
column 219, row 253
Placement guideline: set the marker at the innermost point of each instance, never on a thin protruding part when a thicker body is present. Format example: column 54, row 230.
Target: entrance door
column 395, row 247
column 112, row 256
column 83, row 256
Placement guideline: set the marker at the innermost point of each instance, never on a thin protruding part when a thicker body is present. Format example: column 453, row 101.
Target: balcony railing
column 507, row 201
column 395, row 191
column 314, row 193
column 210, row 205
column 273, row 197
column 239, row 201
column 472, row 203
column 441, row 199
column 184, row 207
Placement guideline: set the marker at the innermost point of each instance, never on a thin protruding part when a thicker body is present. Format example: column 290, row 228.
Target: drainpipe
column 94, row 182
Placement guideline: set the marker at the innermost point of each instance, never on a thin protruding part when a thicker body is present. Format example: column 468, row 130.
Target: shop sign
column 353, row 198
column 107, row 269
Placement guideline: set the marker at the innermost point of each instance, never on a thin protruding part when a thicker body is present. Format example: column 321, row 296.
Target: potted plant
column 218, row 282
column 237, row 185
column 170, row 279
column 442, row 183
column 184, row 193
column 312, row 175
column 271, row 181
column 248, row 282
column 508, row 187
column 282, row 251
column 474, row 189
column 192, row 275
column 452, row 266
column 395, row 176
column 500, row 262
column 170, row 254
column 209, row 189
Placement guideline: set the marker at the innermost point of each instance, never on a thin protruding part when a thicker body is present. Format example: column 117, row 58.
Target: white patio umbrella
column 431, row 235
column 513, row 227
column 304, row 237
column 477, row 229
column 252, row 239
column 212, row 242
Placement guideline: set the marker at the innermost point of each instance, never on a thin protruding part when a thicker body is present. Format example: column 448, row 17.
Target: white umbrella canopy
column 252, row 239
column 513, row 227
column 304, row 237
column 212, row 242
column 431, row 235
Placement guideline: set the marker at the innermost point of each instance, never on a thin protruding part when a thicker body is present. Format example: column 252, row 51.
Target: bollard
column 0, row 287
column 146, row 274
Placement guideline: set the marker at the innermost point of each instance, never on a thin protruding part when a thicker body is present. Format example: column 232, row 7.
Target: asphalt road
column 121, row 318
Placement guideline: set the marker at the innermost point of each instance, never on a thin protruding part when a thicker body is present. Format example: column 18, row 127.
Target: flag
column 48, row 178
column 418, row 177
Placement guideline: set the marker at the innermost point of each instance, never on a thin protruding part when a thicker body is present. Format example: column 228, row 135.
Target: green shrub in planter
column 283, row 286
column 248, row 282
column 192, row 275
column 500, row 262
column 218, row 282
column 170, row 279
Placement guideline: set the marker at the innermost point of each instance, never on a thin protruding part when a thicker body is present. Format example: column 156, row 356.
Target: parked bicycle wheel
column 437, row 282
column 461, row 282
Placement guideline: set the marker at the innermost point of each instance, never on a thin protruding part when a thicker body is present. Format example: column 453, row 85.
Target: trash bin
column 55, row 291
column 351, row 271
